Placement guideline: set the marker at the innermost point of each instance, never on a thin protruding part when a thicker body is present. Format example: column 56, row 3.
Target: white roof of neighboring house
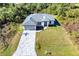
column 34, row 18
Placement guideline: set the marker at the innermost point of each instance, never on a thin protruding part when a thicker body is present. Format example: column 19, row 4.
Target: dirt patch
column 71, row 27
column 6, row 34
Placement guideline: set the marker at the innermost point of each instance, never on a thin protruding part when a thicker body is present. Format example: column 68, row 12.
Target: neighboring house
column 38, row 21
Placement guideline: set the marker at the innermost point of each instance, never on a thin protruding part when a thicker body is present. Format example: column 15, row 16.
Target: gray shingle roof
column 39, row 18
column 34, row 18
column 27, row 21
column 30, row 23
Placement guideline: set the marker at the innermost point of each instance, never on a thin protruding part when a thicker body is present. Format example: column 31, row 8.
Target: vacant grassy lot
column 55, row 41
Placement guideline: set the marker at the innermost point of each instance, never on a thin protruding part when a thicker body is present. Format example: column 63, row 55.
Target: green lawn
column 55, row 41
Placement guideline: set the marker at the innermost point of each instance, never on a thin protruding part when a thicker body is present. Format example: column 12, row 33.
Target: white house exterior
column 37, row 21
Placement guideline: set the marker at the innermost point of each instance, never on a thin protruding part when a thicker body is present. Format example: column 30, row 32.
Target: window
column 39, row 23
column 52, row 22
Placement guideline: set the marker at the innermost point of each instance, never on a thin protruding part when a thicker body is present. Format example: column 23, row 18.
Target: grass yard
column 55, row 41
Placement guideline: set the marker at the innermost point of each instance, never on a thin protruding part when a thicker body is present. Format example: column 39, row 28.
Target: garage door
column 30, row 27
column 39, row 27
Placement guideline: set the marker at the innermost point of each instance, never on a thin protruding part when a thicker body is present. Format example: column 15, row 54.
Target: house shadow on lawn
column 56, row 23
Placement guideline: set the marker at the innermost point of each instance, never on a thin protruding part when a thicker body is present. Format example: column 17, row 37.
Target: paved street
column 26, row 45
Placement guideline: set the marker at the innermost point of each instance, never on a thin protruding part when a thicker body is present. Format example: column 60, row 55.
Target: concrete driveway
column 26, row 45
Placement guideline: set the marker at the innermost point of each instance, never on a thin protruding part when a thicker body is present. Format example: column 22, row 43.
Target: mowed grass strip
column 55, row 41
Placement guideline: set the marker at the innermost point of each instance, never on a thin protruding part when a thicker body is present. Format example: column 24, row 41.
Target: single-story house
column 38, row 21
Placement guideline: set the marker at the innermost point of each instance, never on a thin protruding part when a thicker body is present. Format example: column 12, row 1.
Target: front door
column 45, row 23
